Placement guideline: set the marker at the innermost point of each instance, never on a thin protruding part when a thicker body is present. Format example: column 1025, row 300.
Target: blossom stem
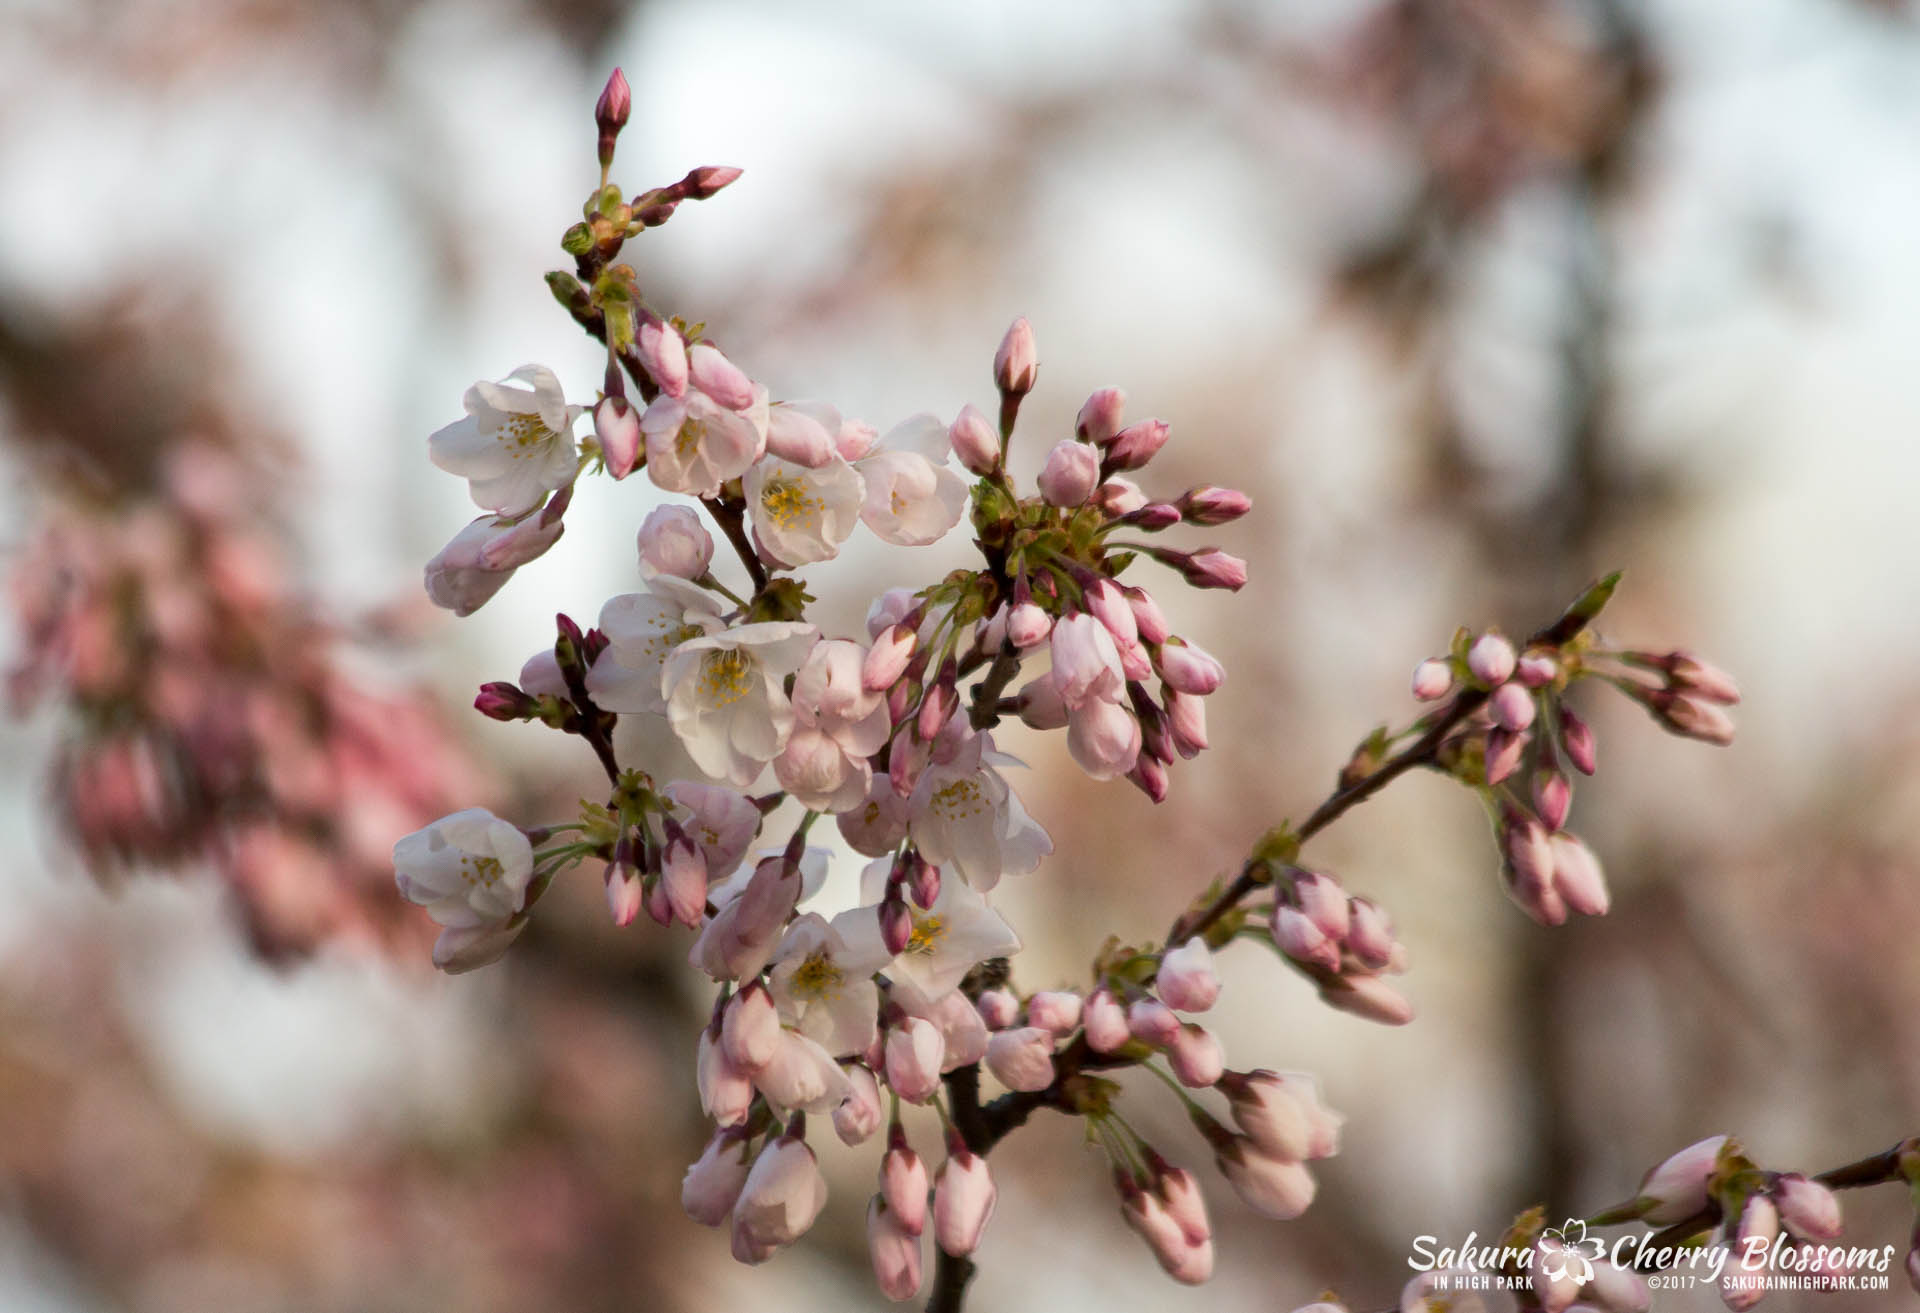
column 732, row 521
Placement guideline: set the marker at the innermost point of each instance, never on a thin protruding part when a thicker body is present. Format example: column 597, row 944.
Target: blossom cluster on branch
column 902, row 1000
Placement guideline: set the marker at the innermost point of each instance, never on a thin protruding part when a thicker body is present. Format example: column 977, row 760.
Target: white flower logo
column 1567, row 1252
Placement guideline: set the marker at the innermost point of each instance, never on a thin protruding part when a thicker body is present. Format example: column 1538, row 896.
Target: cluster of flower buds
column 858, row 1013
column 1346, row 944
column 211, row 721
column 1522, row 740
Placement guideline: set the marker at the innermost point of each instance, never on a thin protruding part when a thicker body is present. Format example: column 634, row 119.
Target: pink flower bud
column 1324, row 902
column 624, row 895
column 1701, row 679
column 1299, row 938
column 1807, row 1208
column 1282, row 1114
column 1694, row 719
column 1432, row 680
column 617, row 425
column 1369, row 933
column 503, row 701
column 1105, row 1020
column 1529, row 868
column 1069, row 476
column 713, row 1183
column 1491, row 659
column 1272, row 1187
column 783, row 1195
column 1022, row 1058
column 923, row 882
column 1056, row 1011
column 797, row 437
column 1187, row 981
column 683, row 881
column 703, row 182
column 1212, row 568
column 1511, row 707
column 615, row 104
column 726, row 1092
column 1109, row 605
column 1577, row 739
column 974, row 441
column 1190, row 669
column 719, row 377
column 1552, row 797
column 1503, row 752
column 859, row 1114
column 937, row 706
column 903, row 1182
column 1187, row 1261
column 894, row 1251
column 1152, row 1022
column 1137, row 444
column 1117, row 497
column 1099, row 417
column 1149, row 622
column 1187, row 723
column 1537, row 669
column 998, row 1008
column 663, row 352
column 1677, row 1188
column 1370, row 997
column 1180, row 1193
column 672, row 541
column 1742, row 1283
column 963, row 1196
column 888, row 658
column 1210, row 506
column 1086, row 662
column 1028, row 626
column 1103, row 738
column 750, row 1028
column 1017, row 363
column 1041, row 706
column 1616, row 1289
column 896, row 925
column 1154, row 516
column 914, row 1053
column 1195, row 1057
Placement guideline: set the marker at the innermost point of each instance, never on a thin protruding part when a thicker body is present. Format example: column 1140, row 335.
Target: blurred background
column 1477, row 298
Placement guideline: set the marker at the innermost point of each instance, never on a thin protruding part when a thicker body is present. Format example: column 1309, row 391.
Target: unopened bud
column 1099, row 417
column 501, row 700
column 1209, row 505
column 1576, row 736
column 1211, row 568
column 1511, row 707
column 703, row 182
column 1432, row 680
column 1491, row 659
column 617, row 425
column 1016, row 365
column 896, row 925
column 1069, row 476
column 610, row 112
column 974, row 441
column 1137, row 444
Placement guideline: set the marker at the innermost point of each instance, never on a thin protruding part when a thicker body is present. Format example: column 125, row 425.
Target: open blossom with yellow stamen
column 515, row 445
column 468, row 869
column 822, row 979
column 726, row 697
column 947, row 939
column 964, row 815
column 642, row 630
column 695, row 443
column 802, row 515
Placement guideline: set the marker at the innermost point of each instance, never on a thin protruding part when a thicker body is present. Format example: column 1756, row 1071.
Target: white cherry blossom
column 822, row 979
column 912, row 496
column 726, row 698
column 801, row 515
column 965, row 817
column 515, row 445
column 642, row 630
column 695, row 444
column 469, row 869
